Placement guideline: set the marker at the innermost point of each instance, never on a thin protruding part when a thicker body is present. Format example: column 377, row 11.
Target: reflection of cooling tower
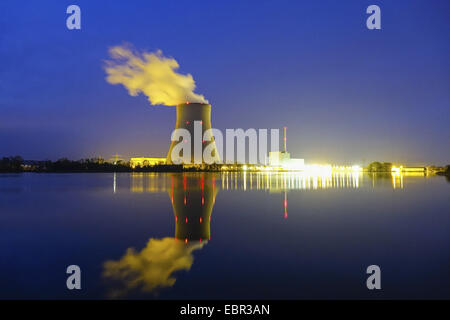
column 192, row 199
column 187, row 113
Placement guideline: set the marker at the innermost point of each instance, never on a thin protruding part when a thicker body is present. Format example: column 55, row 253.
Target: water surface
column 224, row 235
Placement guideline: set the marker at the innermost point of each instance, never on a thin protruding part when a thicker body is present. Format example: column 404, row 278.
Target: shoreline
column 190, row 170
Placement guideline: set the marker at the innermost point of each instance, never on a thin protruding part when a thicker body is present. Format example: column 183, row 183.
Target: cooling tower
column 187, row 114
column 192, row 198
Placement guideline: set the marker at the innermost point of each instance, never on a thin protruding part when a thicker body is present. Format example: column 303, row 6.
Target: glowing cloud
column 152, row 267
column 152, row 74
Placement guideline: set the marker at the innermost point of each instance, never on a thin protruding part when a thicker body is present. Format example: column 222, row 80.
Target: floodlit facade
column 283, row 160
column 408, row 169
column 277, row 158
column 143, row 161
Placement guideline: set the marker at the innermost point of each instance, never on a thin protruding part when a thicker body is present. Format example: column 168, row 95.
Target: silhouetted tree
column 379, row 167
column 11, row 164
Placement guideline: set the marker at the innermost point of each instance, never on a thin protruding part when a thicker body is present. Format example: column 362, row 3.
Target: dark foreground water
column 225, row 236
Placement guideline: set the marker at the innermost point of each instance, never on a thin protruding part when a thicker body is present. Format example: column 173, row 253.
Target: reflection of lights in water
column 114, row 183
column 319, row 178
column 137, row 182
column 147, row 182
column 152, row 267
column 285, row 205
column 279, row 181
column 355, row 178
column 397, row 179
column 227, row 181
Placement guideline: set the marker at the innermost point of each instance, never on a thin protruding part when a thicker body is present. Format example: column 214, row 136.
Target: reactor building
column 283, row 160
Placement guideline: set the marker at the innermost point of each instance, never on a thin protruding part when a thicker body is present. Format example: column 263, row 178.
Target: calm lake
column 224, row 235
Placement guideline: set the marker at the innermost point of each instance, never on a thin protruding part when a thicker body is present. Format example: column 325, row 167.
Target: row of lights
column 186, row 220
column 186, row 240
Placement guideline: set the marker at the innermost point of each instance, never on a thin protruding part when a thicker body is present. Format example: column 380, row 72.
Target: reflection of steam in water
column 192, row 198
column 151, row 268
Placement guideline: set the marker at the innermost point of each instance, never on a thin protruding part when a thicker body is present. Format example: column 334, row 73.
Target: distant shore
column 97, row 165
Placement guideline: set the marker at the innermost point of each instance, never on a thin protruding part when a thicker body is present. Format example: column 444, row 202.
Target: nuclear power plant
column 187, row 114
column 188, row 145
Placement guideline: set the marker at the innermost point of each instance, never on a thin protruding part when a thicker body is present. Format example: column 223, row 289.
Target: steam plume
column 152, row 74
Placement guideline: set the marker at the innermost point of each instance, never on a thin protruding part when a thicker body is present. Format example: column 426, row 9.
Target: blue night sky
column 347, row 94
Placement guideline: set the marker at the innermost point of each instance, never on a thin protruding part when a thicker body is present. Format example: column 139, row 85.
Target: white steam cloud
column 152, row 74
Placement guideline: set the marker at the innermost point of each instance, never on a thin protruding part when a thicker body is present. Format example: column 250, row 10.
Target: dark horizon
column 348, row 95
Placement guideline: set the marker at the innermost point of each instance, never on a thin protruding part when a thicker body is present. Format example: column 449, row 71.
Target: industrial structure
column 144, row 162
column 410, row 169
column 194, row 119
column 187, row 114
column 282, row 159
column 116, row 158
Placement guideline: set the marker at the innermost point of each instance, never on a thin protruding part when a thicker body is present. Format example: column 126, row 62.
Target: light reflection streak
column 114, row 183
column 276, row 181
column 290, row 181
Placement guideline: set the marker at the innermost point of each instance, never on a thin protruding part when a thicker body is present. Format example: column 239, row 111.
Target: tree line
column 11, row 164
column 379, row 167
column 18, row 164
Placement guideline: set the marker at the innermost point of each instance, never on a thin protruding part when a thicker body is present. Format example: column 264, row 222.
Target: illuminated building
column 409, row 169
column 143, row 161
column 282, row 159
column 278, row 158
